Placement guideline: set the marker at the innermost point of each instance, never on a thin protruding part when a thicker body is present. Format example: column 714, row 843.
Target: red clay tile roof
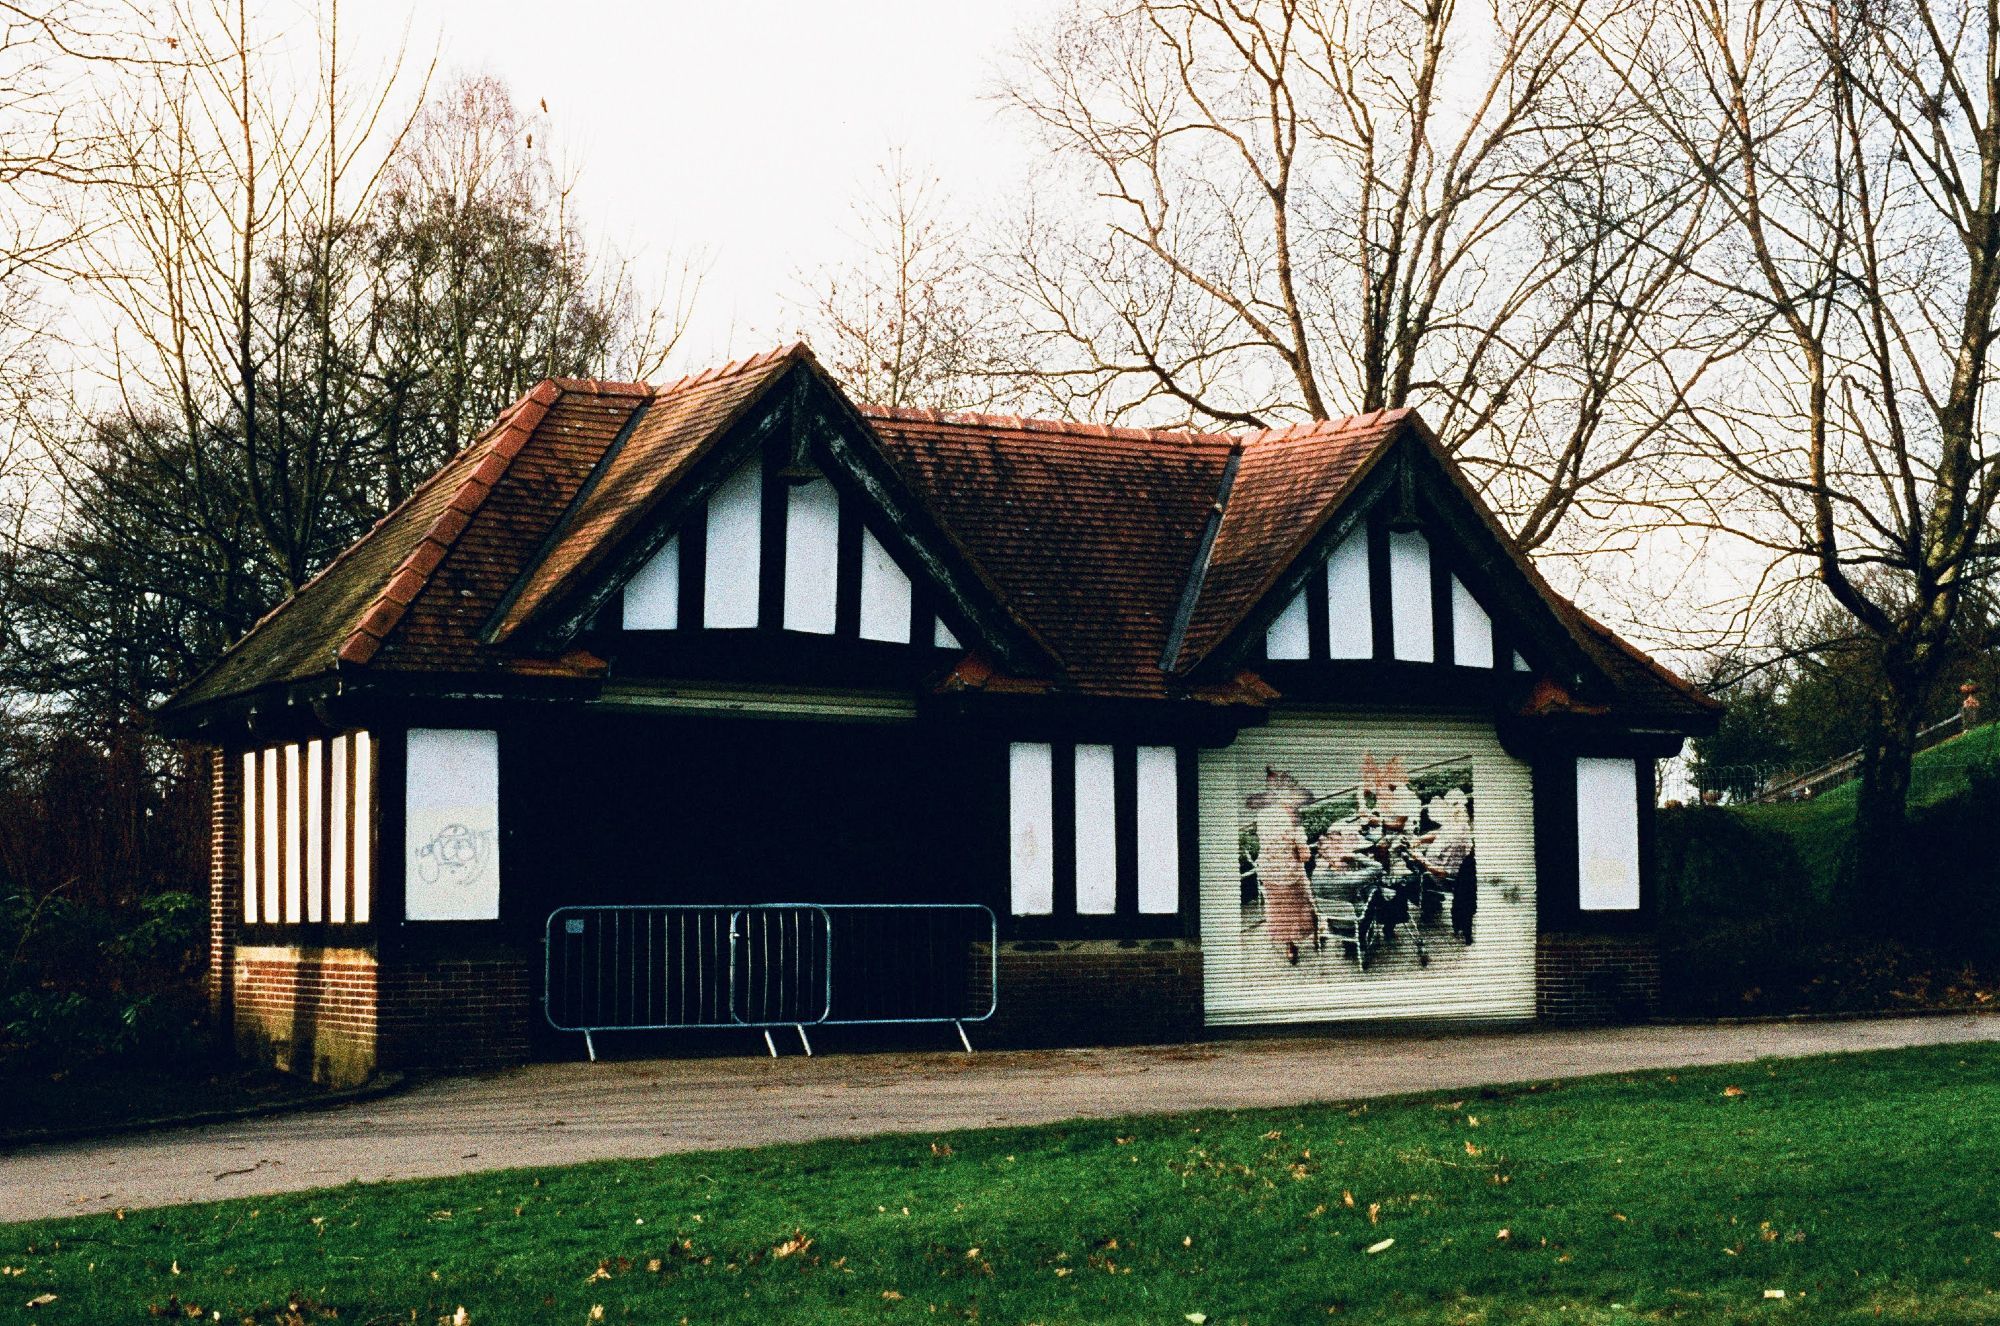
column 1087, row 531
column 1088, row 534
column 1289, row 483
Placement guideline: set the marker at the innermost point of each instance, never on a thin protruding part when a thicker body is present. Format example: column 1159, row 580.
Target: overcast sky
column 738, row 128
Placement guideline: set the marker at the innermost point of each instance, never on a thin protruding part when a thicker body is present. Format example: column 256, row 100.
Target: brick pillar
column 225, row 884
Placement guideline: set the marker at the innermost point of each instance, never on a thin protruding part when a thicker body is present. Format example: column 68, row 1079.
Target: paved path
column 550, row 1114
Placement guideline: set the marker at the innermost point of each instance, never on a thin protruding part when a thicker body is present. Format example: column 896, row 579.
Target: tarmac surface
column 555, row 1114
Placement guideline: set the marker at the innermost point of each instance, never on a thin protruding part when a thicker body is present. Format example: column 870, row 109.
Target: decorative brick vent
column 1584, row 978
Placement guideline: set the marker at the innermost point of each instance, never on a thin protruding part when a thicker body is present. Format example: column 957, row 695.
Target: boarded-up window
column 1031, row 827
column 451, row 825
column 1158, row 787
column 1607, row 835
column 1096, row 831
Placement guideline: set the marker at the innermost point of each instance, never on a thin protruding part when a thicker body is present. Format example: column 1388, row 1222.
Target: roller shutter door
column 1346, row 859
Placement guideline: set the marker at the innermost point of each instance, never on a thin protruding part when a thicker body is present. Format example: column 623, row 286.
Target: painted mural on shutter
column 1366, row 867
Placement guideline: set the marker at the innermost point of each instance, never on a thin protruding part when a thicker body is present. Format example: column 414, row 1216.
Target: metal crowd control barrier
column 760, row 966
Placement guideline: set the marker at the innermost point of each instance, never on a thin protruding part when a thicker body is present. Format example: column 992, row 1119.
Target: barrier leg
column 590, row 1046
column 963, row 1039
column 770, row 1044
column 802, row 1039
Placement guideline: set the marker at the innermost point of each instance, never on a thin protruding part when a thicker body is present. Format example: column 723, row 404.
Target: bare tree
column 909, row 318
column 1855, row 148
column 1313, row 207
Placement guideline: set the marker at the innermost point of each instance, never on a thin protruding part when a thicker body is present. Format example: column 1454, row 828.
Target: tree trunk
column 1881, row 812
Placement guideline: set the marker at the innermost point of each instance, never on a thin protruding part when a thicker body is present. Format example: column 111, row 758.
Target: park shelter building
column 1224, row 729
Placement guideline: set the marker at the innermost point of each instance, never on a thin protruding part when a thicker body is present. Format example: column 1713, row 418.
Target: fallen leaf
column 41, row 1300
column 1374, row 1213
column 1383, row 1246
column 795, row 1244
column 1197, row 1317
column 891, row 1295
column 1504, row 1235
column 1774, row 1293
column 597, row 1312
column 1732, row 1091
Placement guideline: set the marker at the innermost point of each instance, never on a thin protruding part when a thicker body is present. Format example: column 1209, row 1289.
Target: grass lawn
column 1866, row 1187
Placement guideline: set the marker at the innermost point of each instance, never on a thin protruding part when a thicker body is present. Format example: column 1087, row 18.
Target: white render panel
column 363, row 836
column 315, row 835
column 1350, row 618
column 812, row 544
column 1471, row 629
column 1031, row 812
column 652, row 599
column 1096, row 832
column 451, row 835
column 885, row 594
column 336, row 857
column 1247, row 977
column 1158, row 788
column 733, row 568
column 942, row 637
column 1411, row 632
column 1288, row 637
column 1520, row 664
column 1607, row 835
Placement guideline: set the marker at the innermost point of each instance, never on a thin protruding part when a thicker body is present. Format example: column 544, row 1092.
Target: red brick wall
column 308, row 1011
column 1596, row 977
column 1096, row 992
column 456, row 1013
column 225, row 875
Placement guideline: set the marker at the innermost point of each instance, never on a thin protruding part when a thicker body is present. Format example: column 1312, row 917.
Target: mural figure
column 1372, row 866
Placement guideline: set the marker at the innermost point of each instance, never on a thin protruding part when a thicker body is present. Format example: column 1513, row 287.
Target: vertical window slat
column 364, row 826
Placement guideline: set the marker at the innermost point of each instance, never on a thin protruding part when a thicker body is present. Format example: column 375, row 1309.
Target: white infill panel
column 1096, row 832
column 1308, row 821
column 1607, row 835
column 1410, row 597
column 812, row 543
column 1159, row 830
column 942, row 637
column 451, row 835
column 1350, row 618
column 652, row 599
column 1471, row 629
column 1031, row 828
column 1288, row 637
column 734, row 563
column 885, row 594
